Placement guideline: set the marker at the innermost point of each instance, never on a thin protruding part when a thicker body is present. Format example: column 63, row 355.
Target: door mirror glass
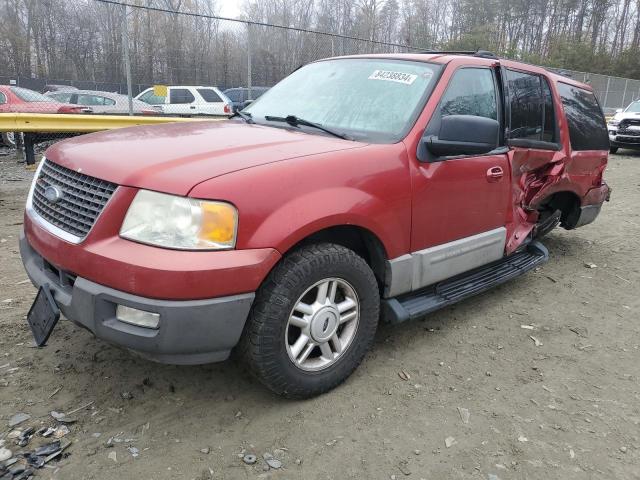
column 464, row 135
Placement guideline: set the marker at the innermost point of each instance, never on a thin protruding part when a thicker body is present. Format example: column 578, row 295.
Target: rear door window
column 209, row 95
column 181, row 95
column 587, row 126
column 531, row 112
column 233, row 95
column 94, row 100
column 549, row 124
column 525, row 102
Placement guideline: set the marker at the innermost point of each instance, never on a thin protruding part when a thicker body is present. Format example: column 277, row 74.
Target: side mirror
column 464, row 135
column 619, row 110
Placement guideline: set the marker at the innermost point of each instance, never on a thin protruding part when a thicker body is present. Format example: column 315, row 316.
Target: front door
column 460, row 203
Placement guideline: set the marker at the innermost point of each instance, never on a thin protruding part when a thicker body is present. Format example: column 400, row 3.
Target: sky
column 229, row 8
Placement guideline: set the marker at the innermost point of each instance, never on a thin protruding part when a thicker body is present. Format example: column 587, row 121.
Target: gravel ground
column 465, row 393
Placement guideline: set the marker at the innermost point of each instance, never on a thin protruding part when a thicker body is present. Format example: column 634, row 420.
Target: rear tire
column 313, row 320
column 613, row 149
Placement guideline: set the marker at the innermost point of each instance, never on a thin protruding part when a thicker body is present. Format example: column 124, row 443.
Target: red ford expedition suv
column 358, row 189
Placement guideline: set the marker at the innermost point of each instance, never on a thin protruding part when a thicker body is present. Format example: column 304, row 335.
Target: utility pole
column 127, row 62
column 249, row 92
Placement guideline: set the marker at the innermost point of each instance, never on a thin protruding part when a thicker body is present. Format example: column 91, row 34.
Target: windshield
column 30, row 96
column 368, row 99
column 633, row 108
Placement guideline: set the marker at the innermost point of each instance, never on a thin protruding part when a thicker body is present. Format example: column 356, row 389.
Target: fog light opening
column 136, row 317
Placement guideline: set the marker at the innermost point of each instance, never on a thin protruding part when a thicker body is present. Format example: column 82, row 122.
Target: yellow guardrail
column 71, row 123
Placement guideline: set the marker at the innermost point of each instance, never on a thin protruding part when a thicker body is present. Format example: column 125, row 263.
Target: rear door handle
column 494, row 174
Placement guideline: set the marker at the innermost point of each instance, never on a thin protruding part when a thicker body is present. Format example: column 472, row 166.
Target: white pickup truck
column 189, row 100
column 624, row 128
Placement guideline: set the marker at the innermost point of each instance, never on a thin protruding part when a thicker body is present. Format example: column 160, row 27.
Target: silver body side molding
column 425, row 267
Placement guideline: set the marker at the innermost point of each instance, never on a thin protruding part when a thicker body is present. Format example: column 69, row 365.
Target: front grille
column 628, row 122
column 629, row 133
column 81, row 198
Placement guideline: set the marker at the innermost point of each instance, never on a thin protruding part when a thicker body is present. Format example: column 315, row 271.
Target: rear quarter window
column 234, row 95
column 587, row 126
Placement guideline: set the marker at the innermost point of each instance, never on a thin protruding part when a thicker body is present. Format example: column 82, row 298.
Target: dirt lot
column 567, row 408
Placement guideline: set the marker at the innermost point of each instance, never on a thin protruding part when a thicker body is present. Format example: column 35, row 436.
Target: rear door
column 182, row 101
column 460, row 203
column 536, row 155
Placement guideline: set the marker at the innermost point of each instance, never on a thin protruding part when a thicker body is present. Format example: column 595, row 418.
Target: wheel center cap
column 324, row 324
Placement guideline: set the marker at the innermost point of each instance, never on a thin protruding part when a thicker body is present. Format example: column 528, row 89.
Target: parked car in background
column 240, row 96
column 189, row 100
column 58, row 88
column 289, row 232
column 22, row 100
column 104, row 102
column 624, row 128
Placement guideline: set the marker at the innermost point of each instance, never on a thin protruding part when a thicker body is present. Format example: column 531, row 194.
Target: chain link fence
column 612, row 92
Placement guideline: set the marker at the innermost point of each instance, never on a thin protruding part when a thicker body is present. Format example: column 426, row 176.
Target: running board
column 417, row 304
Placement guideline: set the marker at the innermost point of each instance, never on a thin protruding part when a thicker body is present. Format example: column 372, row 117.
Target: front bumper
column 624, row 140
column 190, row 331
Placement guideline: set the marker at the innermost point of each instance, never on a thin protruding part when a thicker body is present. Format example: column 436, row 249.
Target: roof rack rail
column 485, row 54
column 450, row 52
column 477, row 53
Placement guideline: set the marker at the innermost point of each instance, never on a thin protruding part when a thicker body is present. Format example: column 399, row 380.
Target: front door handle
column 494, row 174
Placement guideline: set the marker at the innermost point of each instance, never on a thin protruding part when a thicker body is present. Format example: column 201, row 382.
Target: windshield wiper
column 245, row 116
column 297, row 121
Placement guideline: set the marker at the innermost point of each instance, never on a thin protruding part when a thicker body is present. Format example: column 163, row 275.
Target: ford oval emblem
column 53, row 194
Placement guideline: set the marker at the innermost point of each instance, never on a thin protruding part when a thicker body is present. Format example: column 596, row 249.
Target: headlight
column 614, row 123
column 180, row 222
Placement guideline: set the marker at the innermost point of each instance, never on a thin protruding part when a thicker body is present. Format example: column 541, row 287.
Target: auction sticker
column 399, row 77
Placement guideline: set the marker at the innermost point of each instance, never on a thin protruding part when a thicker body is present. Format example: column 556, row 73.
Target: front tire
column 9, row 139
column 312, row 322
column 613, row 150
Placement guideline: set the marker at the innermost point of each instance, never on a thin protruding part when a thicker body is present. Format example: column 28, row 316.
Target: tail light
column 74, row 109
column 227, row 108
column 597, row 179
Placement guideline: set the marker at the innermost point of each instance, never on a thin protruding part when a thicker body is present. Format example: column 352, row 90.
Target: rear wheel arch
column 567, row 202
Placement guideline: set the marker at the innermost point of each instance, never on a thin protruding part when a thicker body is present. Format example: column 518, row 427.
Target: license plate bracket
column 43, row 315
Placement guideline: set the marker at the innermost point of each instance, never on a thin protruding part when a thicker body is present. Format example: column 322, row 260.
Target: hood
column 174, row 157
column 626, row 116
